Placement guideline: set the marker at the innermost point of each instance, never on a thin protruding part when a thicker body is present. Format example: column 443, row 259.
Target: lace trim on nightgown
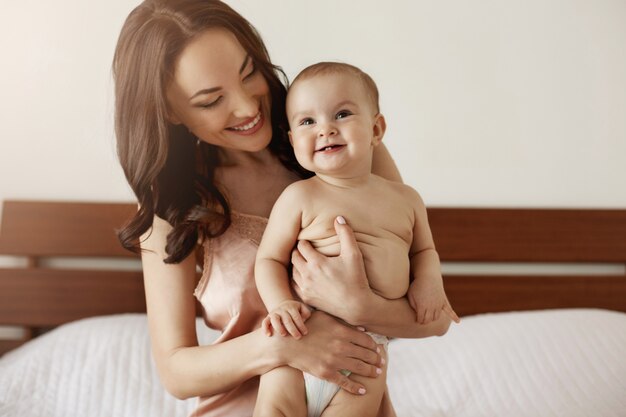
column 248, row 226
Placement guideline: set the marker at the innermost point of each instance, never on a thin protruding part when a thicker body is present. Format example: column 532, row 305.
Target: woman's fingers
column 369, row 361
column 347, row 241
column 308, row 252
column 347, row 384
column 361, row 368
column 362, row 339
column 297, row 259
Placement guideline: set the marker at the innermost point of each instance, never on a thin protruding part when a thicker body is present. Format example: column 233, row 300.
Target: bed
column 531, row 343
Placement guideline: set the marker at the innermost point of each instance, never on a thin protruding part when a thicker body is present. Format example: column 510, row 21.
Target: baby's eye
column 343, row 114
column 307, row 121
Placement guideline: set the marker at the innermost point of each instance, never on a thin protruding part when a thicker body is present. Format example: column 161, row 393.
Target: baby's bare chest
column 385, row 217
column 383, row 229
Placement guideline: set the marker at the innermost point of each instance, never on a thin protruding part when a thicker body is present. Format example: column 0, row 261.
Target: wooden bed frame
column 38, row 297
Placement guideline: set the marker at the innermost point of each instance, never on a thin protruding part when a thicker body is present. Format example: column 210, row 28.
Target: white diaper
column 320, row 392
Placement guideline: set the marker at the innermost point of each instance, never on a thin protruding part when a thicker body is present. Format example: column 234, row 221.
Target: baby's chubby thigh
column 281, row 393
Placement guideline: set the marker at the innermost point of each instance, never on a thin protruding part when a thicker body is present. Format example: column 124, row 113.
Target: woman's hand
column 337, row 285
column 328, row 348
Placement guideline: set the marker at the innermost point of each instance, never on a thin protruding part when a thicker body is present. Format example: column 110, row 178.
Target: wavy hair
column 170, row 172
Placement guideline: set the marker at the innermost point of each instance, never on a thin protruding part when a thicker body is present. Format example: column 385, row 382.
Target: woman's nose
column 245, row 104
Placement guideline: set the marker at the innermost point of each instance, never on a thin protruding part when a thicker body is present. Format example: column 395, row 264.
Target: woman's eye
column 211, row 104
column 343, row 114
column 307, row 121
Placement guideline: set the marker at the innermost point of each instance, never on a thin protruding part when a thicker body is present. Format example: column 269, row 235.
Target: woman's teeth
column 249, row 125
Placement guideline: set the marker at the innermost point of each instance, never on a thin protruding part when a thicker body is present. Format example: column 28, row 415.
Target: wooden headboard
column 38, row 295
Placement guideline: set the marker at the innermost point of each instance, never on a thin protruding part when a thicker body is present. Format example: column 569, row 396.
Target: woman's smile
column 249, row 126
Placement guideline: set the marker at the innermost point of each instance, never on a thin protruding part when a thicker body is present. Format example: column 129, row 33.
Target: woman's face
column 219, row 94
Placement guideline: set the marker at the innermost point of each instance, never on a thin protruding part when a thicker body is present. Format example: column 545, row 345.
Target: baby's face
column 332, row 124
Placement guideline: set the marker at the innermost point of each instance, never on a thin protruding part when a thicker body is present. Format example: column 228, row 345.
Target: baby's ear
column 380, row 126
column 290, row 138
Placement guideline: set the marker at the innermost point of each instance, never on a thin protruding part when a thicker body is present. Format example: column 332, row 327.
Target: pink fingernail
column 362, row 391
column 341, row 220
column 382, row 361
column 361, row 328
column 379, row 371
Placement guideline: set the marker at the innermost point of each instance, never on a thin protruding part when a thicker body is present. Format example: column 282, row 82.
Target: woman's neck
column 234, row 158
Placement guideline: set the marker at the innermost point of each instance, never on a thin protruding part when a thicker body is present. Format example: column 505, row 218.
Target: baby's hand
column 428, row 298
column 287, row 318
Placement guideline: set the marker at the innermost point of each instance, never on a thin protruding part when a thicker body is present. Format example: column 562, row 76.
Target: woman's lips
column 250, row 126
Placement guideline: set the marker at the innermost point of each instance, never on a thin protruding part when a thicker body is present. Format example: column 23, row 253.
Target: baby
column 335, row 124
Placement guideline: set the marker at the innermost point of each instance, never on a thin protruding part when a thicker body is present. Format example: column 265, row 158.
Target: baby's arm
column 426, row 294
column 286, row 315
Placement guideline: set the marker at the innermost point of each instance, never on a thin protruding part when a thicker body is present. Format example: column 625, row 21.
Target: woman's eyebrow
column 214, row 89
column 205, row 91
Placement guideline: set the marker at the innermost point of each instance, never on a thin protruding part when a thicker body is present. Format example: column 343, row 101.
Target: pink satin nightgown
column 232, row 304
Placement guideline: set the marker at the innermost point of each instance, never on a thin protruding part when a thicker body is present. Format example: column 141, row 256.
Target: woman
column 201, row 132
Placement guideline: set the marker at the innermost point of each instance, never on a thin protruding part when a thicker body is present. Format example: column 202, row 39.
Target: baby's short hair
column 325, row 68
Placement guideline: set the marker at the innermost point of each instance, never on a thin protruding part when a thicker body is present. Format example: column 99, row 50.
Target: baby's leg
column 345, row 404
column 281, row 394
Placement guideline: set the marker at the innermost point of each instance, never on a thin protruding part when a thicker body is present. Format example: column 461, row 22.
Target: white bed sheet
column 569, row 363
column 545, row 363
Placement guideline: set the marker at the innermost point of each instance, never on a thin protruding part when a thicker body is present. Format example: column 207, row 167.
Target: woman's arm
column 338, row 285
column 189, row 370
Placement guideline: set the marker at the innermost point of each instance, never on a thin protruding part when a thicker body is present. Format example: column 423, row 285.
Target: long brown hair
column 170, row 172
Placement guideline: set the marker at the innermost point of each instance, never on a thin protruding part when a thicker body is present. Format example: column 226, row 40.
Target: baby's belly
column 386, row 261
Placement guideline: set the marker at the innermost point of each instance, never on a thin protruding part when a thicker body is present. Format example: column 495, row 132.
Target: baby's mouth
column 329, row 148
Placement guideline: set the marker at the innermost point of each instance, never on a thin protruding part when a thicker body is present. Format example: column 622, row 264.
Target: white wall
column 488, row 103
